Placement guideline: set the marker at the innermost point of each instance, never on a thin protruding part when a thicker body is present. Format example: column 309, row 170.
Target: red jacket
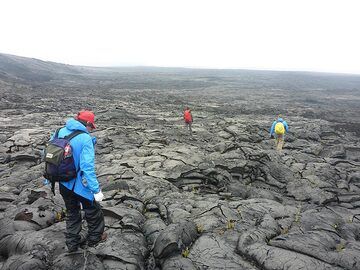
column 187, row 116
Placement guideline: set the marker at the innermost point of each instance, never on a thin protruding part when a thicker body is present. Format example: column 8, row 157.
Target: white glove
column 99, row 196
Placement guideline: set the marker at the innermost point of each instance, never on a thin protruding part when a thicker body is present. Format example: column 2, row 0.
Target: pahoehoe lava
column 220, row 199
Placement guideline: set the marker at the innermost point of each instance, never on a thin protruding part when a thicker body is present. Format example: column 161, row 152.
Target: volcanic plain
column 221, row 198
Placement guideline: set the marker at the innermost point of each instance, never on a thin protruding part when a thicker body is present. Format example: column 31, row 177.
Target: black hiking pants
column 93, row 216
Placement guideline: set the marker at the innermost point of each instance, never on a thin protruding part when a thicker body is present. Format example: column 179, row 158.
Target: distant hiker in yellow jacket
column 278, row 128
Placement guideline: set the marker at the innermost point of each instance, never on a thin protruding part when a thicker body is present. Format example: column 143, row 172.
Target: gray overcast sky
column 315, row 35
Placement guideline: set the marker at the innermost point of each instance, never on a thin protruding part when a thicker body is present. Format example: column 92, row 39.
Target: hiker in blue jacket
column 84, row 189
column 278, row 129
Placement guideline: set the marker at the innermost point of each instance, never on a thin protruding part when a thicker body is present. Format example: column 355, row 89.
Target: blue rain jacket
column 272, row 129
column 86, row 183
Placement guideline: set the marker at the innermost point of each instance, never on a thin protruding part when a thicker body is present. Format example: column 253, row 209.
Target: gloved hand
column 99, row 196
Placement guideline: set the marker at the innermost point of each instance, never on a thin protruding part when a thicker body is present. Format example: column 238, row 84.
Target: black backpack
column 59, row 160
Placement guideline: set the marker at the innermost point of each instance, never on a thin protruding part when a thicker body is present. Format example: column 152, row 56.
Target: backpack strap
column 73, row 134
column 69, row 137
column 56, row 135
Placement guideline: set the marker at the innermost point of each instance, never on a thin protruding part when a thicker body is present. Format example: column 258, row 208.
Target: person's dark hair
column 85, row 123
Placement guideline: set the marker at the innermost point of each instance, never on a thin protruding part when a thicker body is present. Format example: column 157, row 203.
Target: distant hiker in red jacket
column 188, row 119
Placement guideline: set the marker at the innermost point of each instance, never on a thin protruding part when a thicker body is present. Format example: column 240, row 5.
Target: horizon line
column 195, row 67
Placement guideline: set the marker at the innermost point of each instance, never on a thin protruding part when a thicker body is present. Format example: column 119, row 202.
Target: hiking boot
column 102, row 239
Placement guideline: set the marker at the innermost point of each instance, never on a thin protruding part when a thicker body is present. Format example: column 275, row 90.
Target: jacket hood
column 280, row 119
column 73, row 124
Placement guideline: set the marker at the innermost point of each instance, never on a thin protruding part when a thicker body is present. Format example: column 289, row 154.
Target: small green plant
column 239, row 212
column 59, row 216
column 340, row 247
column 199, row 228
column 195, row 190
column 151, row 215
column 185, row 253
column 230, row 224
